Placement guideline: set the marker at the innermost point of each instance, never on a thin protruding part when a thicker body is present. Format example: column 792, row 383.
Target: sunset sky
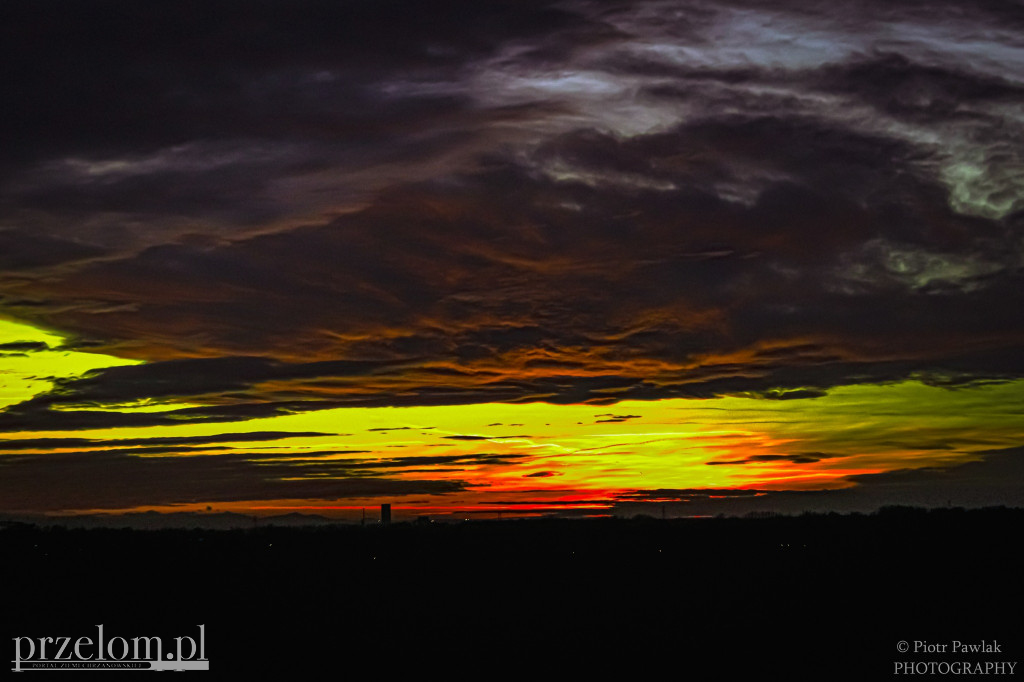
column 518, row 257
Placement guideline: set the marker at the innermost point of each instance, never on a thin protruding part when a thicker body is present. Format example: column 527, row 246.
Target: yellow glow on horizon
column 857, row 429
column 532, row 452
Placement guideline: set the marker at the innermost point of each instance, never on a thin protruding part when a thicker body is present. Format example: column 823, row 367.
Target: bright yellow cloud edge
column 579, row 454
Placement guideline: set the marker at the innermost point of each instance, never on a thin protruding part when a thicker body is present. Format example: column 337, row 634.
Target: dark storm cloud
column 176, row 378
column 903, row 88
column 131, row 77
column 785, row 376
column 36, row 418
column 679, row 494
column 308, row 205
column 7, row 445
column 220, row 477
column 616, row 418
column 53, row 482
column 22, row 347
column 22, row 250
column 196, row 120
column 475, row 459
column 997, row 478
column 796, row 458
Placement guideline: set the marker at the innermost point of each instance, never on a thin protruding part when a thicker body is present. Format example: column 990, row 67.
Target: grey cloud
column 611, row 187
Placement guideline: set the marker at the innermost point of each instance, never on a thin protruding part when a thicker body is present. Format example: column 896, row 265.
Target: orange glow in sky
column 522, row 458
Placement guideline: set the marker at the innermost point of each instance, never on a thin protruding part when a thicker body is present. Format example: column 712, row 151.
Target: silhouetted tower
column 385, row 514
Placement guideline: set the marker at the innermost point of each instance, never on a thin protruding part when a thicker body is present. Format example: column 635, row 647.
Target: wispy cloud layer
column 294, row 207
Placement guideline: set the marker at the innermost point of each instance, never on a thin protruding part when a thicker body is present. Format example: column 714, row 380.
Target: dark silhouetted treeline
column 776, row 595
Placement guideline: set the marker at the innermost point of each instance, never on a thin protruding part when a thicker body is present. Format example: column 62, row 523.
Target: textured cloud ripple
column 245, row 213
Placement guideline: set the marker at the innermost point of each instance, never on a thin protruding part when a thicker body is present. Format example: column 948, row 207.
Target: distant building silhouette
column 385, row 514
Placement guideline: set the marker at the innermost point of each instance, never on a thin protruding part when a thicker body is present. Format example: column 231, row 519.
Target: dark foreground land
column 810, row 597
